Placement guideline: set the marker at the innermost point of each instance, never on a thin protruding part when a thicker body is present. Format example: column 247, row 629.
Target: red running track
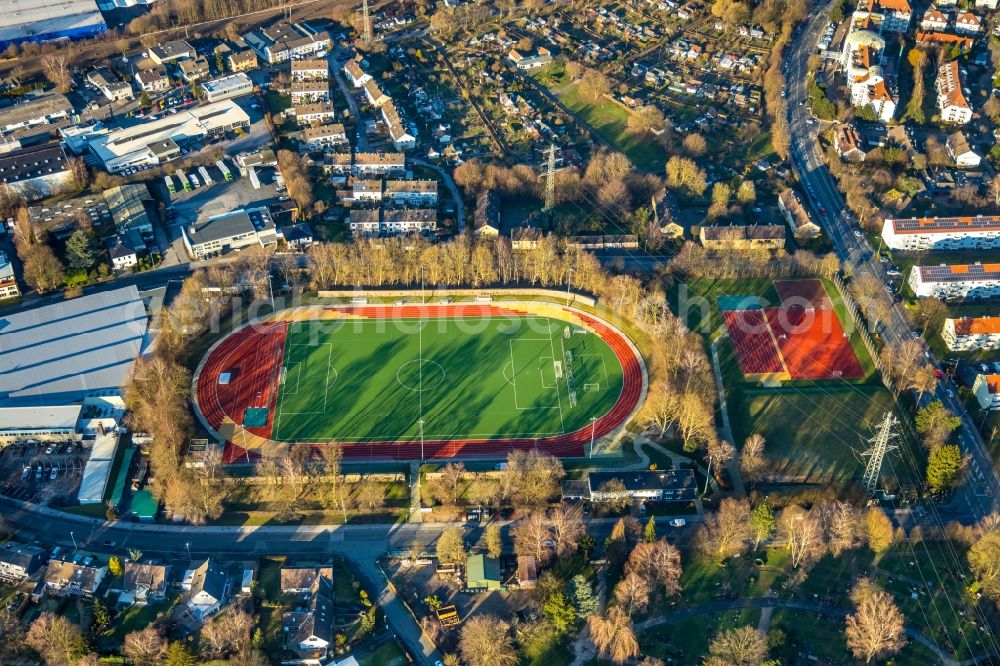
column 569, row 444
column 252, row 356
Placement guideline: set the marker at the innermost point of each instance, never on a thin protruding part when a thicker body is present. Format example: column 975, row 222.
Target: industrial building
column 59, row 354
column 36, row 172
column 142, row 144
column 227, row 87
column 41, row 21
column 230, row 231
column 956, row 282
column 40, row 110
column 942, row 233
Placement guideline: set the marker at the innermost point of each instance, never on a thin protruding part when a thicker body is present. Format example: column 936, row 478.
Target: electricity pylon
column 880, row 445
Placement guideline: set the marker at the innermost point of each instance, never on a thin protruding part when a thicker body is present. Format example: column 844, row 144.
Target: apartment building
column 942, row 233
column 951, row 100
column 956, row 281
column 971, row 333
column 412, row 192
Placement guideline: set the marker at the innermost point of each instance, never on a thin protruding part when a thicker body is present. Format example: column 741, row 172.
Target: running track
column 253, row 354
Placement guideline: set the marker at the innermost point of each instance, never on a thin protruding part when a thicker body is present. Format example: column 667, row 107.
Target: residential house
column 207, row 587
column 171, row 52
column 673, row 485
column 309, row 92
column 308, row 628
column 945, row 39
column 987, row 4
column 241, row 61
column 796, row 216
column 986, row 388
column 79, row 577
column 368, row 190
column 967, row 23
column 357, row 76
column 378, row 164
column 141, row 583
column 374, row 94
column 409, row 221
column 967, row 334
column 310, row 70
column 284, row 41
column 951, row 100
column 525, row 238
column 296, row 236
column 153, row 80
column 122, row 255
column 8, row 283
column 847, row 142
column 540, row 58
column 401, row 137
column 300, row 580
column 869, row 90
column 411, row 192
column 109, row 85
column 934, row 20
column 18, row 561
column 314, row 114
column 963, row 154
column 322, row 137
column 486, row 220
column 364, row 222
column 195, row 69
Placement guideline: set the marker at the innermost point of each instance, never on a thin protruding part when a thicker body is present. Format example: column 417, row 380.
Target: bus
column 226, row 173
column 185, row 183
column 170, row 184
column 203, row 172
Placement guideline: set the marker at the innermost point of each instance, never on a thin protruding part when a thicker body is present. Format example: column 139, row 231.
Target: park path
column 792, row 604
column 726, row 431
column 415, row 515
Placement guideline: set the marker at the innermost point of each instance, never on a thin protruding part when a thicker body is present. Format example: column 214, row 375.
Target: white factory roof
column 25, row 18
column 39, row 418
column 57, row 354
column 193, row 122
column 98, row 469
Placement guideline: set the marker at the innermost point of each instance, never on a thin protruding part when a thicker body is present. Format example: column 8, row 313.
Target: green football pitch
column 483, row 378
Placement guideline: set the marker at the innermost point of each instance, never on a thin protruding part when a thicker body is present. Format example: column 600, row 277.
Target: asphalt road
column 977, row 497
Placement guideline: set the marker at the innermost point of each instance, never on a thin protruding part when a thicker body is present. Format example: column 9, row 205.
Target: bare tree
column 659, row 562
column 227, row 634
column 720, row 453
column 145, row 647
column 632, row 592
column 57, row 68
column 451, row 481
column 875, row 629
column 727, row 531
column 752, row 462
column 531, row 535
column 803, row 534
column 531, row 477
column 840, row 522
column 741, row 646
column 661, row 406
column 486, row 641
column 613, row 635
column 57, row 640
column 567, row 527
column 451, row 547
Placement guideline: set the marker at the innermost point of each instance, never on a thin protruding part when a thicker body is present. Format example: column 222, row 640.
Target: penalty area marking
column 331, row 378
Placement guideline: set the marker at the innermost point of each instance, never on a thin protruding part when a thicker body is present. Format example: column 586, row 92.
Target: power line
column 880, row 446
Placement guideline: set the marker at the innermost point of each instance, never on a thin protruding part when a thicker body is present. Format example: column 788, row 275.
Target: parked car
column 678, row 522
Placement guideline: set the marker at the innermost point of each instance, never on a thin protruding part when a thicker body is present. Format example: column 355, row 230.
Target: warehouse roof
column 23, row 19
column 33, row 162
column 39, row 418
column 231, row 225
column 59, row 353
column 43, row 106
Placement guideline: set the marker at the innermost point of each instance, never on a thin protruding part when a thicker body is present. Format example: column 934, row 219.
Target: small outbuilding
column 482, row 573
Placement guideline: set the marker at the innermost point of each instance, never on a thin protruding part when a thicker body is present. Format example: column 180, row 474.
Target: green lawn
column 134, row 618
column 387, row 654
column 812, row 433
column 373, row 380
column 608, row 120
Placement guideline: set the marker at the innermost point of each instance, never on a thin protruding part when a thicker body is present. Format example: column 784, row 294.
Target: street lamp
column 73, row 537
column 187, row 544
column 423, row 297
column 569, row 283
column 421, row 422
column 593, row 424
column 270, row 291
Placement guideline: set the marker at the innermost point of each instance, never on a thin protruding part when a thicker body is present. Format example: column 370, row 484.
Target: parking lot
column 26, row 470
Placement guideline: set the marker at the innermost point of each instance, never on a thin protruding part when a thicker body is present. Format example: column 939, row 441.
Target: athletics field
column 465, row 380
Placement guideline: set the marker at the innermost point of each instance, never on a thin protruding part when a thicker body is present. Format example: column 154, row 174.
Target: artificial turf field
column 472, row 377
